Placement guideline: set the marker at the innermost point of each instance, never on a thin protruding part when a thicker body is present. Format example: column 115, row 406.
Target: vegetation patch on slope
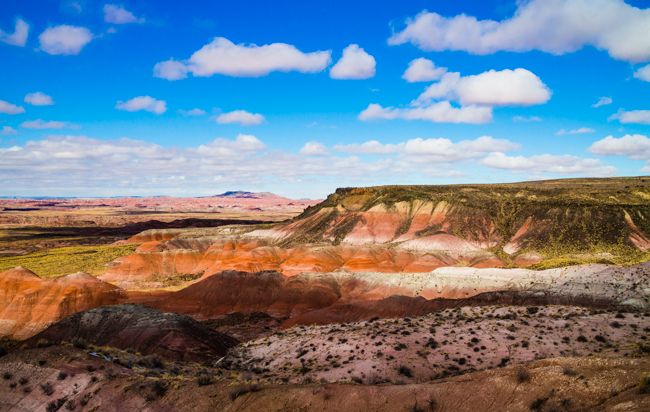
column 66, row 260
column 621, row 255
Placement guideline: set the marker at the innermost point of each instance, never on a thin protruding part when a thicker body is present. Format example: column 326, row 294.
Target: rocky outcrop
column 140, row 329
column 29, row 303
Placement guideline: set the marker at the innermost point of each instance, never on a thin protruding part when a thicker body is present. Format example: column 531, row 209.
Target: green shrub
column 47, row 388
column 522, row 375
column 204, row 380
column 243, row 390
column 644, row 385
column 405, row 370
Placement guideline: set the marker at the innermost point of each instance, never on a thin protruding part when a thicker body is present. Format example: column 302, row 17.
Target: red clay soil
column 319, row 298
column 30, row 303
column 167, row 256
column 337, row 298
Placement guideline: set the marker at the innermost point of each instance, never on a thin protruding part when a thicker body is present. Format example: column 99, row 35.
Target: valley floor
column 68, row 378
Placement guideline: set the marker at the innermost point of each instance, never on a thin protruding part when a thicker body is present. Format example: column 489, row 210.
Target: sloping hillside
column 141, row 329
column 29, row 303
column 606, row 219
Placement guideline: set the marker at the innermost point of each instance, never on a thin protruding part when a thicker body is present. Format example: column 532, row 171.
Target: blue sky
column 510, row 97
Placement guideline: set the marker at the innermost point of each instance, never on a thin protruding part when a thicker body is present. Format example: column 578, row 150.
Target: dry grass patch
column 66, row 260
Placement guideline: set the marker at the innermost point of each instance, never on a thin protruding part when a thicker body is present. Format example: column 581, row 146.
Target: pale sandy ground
column 441, row 344
column 92, row 383
column 629, row 286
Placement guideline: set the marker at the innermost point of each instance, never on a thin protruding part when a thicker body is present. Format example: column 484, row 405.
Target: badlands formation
column 526, row 296
column 417, row 229
column 30, row 303
column 28, row 225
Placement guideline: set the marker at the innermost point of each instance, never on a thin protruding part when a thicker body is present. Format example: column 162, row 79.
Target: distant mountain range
column 233, row 194
column 240, row 194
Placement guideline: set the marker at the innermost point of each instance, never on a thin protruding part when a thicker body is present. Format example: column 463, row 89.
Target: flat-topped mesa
column 466, row 221
column 30, row 303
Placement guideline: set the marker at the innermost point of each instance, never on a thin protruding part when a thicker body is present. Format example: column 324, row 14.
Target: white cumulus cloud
column 634, row 146
column 10, row 108
column 444, row 150
column 47, row 124
column 355, row 64
column 439, row 150
column 314, row 149
column 518, row 87
column 632, row 116
column 476, row 95
column 603, row 101
column 222, row 56
column 643, row 73
column 552, row 26
column 423, row 70
column 192, row 112
column 64, row 39
column 81, row 165
column 579, row 130
column 7, row 130
column 170, row 70
column 546, row 163
column 116, row 14
column 241, row 117
column 439, row 112
column 146, row 103
column 369, row 147
column 39, row 99
column 244, row 143
column 19, row 35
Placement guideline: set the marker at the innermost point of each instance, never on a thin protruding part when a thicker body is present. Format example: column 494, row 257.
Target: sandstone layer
column 166, row 255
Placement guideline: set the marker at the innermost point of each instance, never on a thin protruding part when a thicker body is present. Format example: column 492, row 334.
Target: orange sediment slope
column 207, row 256
column 30, row 303
column 341, row 297
column 318, row 297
